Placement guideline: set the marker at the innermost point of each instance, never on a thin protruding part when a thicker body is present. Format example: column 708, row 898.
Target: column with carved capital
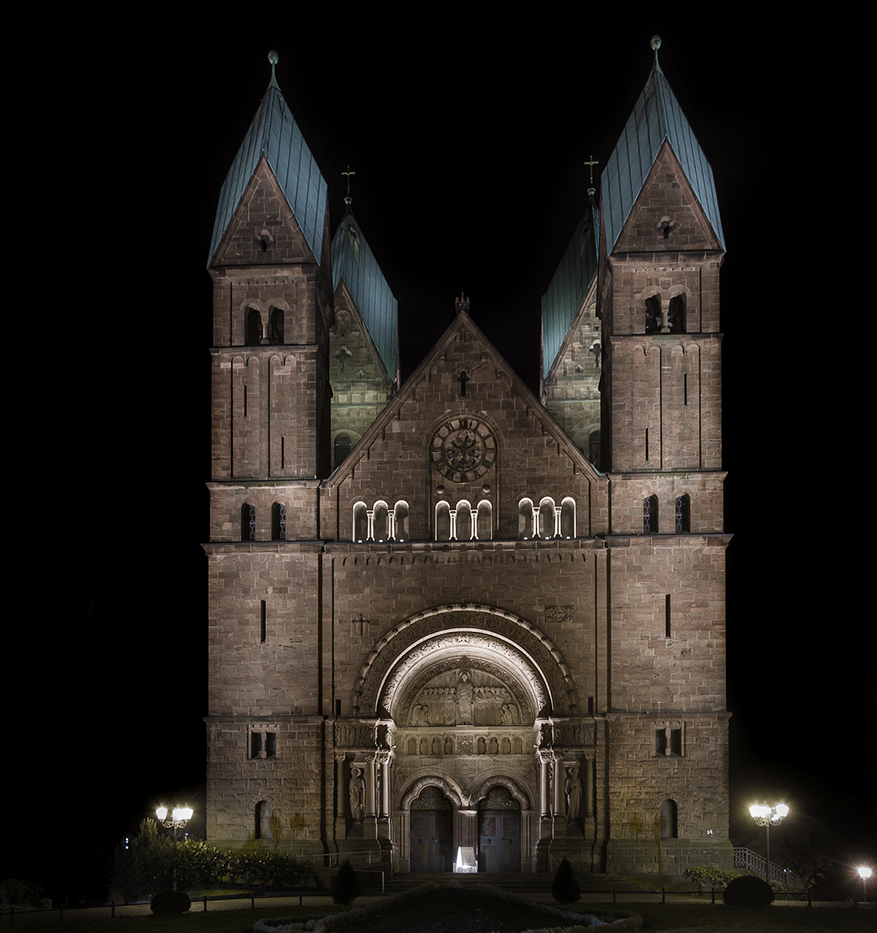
column 340, row 797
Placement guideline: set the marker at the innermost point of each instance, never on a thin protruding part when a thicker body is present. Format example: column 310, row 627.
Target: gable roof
column 274, row 134
column 569, row 286
column 656, row 116
column 354, row 262
column 462, row 322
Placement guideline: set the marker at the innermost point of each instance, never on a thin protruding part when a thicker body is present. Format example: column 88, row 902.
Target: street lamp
column 864, row 874
column 767, row 817
column 179, row 818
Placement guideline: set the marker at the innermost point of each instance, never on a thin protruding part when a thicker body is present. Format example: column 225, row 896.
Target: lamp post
column 767, row 817
column 179, row 818
column 864, row 874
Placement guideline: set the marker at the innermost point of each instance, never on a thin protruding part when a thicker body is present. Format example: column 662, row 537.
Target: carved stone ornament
column 510, row 643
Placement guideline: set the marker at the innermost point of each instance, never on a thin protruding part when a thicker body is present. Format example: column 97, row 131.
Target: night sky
column 468, row 145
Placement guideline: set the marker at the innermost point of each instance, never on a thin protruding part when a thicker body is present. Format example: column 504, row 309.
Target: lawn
column 695, row 917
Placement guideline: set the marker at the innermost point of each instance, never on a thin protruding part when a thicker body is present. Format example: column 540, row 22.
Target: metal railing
column 757, row 865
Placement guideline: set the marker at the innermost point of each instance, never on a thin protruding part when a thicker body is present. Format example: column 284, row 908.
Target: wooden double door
column 432, row 840
column 499, row 841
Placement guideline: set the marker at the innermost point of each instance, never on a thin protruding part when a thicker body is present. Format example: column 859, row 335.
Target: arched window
column 382, row 525
column 525, row 519
column 568, row 518
column 650, row 515
column 276, row 326
column 464, row 521
column 547, row 523
column 263, row 820
column 683, row 514
column 278, row 522
column 253, row 327
column 485, row 521
column 400, row 521
column 343, row 445
column 248, row 522
column 360, row 522
column 669, row 820
column 676, row 315
column 653, row 315
column 442, row 522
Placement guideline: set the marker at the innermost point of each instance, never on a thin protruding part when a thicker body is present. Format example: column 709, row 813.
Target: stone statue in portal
column 572, row 788
column 355, row 792
column 465, row 699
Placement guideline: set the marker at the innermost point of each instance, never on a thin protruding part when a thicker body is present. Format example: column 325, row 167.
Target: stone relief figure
column 465, row 698
column 572, row 787
column 420, row 715
column 355, row 792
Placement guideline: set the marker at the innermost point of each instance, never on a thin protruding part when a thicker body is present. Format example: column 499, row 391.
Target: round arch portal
column 486, row 639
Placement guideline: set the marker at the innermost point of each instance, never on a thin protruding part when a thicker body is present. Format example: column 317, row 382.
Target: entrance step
column 521, row 883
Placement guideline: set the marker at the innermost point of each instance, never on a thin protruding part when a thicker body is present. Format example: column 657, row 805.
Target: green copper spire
column 274, row 134
column 656, row 117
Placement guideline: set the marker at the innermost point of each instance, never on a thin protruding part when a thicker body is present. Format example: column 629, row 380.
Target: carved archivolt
column 414, row 791
column 478, row 637
column 481, row 791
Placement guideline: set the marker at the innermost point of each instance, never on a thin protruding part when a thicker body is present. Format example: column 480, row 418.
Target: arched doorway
column 499, row 839
column 432, row 834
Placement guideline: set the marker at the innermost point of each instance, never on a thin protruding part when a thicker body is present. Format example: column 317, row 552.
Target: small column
column 453, row 515
column 340, row 798
column 369, row 788
column 559, row 803
column 557, row 520
column 588, row 768
column 370, row 532
column 473, row 513
column 545, row 764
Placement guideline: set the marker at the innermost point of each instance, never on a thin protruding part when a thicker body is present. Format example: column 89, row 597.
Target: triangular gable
column 480, row 351
column 263, row 198
column 355, row 264
column 656, row 117
column 345, row 302
column 275, row 135
column 667, row 192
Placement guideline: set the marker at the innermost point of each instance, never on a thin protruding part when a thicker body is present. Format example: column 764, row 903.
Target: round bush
column 170, row 902
column 748, row 891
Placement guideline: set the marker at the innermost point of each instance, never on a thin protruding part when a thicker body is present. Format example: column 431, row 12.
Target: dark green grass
column 694, row 917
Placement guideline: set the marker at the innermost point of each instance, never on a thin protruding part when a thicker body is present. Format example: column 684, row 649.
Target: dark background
column 468, row 143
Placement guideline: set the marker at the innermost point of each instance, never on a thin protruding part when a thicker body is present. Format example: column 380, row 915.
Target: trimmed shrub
column 345, row 887
column 565, row 888
column 702, row 875
column 748, row 891
column 170, row 902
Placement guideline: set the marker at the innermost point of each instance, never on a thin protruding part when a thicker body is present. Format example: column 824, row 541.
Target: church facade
column 451, row 613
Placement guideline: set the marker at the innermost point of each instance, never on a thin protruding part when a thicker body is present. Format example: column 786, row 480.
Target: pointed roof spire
column 656, row 117
column 354, row 262
column 275, row 134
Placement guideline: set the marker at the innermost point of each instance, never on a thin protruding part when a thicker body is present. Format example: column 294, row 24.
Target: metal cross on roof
column 591, row 165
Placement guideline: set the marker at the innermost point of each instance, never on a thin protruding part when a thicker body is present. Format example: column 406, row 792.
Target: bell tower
column 661, row 249
column 272, row 306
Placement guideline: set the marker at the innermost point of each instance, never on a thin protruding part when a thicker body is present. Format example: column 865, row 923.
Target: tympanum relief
column 464, row 697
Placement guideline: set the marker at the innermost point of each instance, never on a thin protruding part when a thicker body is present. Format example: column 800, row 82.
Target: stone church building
column 450, row 613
